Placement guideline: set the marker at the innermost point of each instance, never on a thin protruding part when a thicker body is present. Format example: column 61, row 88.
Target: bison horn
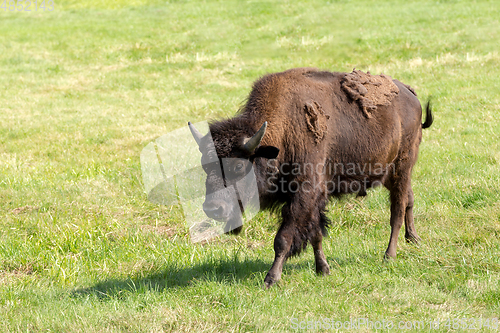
column 255, row 140
column 196, row 134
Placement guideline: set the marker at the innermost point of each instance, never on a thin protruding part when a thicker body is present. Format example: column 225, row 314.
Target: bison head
column 228, row 156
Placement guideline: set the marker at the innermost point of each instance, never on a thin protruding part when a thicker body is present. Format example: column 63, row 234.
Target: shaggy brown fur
column 323, row 139
column 370, row 90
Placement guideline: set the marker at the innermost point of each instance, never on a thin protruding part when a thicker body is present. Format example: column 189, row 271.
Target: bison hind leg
column 411, row 235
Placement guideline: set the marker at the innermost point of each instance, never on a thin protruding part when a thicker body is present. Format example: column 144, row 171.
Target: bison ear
column 269, row 152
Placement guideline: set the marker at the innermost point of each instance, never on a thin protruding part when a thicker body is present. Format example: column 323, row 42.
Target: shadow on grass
column 230, row 271
column 224, row 271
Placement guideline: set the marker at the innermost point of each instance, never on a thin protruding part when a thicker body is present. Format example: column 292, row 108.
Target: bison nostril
column 214, row 212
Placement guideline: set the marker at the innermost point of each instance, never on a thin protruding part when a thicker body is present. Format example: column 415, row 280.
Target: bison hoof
column 389, row 256
column 269, row 281
column 323, row 270
column 413, row 238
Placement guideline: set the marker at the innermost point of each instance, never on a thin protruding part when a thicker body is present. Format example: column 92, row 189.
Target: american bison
column 311, row 135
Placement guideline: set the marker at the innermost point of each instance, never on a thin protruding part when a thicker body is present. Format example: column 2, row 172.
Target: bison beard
column 305, row 116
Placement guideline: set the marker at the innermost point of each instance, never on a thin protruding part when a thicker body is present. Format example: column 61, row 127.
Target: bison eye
column 238, row 167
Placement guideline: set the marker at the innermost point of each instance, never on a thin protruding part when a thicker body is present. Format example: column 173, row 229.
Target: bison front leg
column 322, row 266
column 282, row 244
column 302, row 222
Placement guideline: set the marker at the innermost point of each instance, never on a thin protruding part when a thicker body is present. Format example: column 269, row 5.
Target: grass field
column 84, row 88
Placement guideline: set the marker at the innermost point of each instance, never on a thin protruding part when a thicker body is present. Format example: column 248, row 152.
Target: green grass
column 84, row 88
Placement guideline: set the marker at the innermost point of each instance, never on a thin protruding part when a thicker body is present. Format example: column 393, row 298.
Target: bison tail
column 429, row 118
